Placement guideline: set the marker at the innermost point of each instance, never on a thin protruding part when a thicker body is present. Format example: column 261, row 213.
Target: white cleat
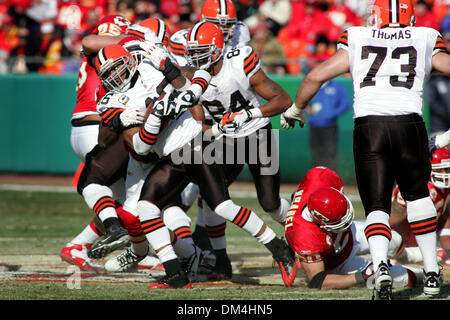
column 150, row 262
column 382, row 283
column 126, row 261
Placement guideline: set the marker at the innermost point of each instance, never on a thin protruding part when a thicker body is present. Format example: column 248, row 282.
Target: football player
column 389, row 63
column 234, row 101
column 236, row 34
column 320, row 228
column 138, row 167
column 85, row 125
column 133, row 87
column 439, row 188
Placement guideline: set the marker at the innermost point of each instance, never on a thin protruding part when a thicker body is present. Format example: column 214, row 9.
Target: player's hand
column 157, row 54
column 432, row 145
column 163, row 108
column 232, row 122
column 132, row 116
column 185, row 100
column 369, row 276
column 291, row 115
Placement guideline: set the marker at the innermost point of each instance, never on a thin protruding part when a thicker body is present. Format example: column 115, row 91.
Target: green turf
column 42, row 223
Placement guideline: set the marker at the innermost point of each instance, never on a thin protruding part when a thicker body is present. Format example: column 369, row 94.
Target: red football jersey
column 87, row 84
column 307, row 239
column 440, row 199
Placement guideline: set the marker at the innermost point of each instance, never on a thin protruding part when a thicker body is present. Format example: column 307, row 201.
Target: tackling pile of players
column 151, row 107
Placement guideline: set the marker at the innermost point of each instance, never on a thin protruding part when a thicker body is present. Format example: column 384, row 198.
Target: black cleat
column 176, row 281
column 116, row 238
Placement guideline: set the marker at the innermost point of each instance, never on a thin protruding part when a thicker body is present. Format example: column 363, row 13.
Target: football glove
column 292, row 114
column 132, row 116
column 432, row 146
column 185, row 100
column 157, row 54
column 366, row 276
column 163, row 108
column 232, row 122
column 438, row 141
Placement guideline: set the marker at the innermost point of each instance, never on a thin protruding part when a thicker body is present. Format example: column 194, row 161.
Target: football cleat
column 190, row 265
column 222, row 269
column 116, row 238
column 382, row 283
column 150, row 262
column 77, row 255
column 432, row 283
column 176, row 281
column 126, row 261
column 285, row 259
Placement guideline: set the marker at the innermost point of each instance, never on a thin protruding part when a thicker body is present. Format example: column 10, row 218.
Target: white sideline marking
column 69, row 189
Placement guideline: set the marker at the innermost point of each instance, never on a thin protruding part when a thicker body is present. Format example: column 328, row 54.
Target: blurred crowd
column 290, row 36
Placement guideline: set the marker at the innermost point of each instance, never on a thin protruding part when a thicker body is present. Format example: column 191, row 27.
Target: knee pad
column 189, row 194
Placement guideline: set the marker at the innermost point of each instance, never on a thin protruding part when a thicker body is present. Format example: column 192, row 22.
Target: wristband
column 256, row 113
column 360, row 278
column 170, row 71
column 215, row 131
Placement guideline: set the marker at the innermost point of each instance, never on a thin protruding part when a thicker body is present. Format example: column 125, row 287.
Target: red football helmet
column 393, row 13
column 440, row 168
column 221, row 13
column 112, row 25
column 204, row 45
column 158, row 27
column 115, row 67
column 331, row 209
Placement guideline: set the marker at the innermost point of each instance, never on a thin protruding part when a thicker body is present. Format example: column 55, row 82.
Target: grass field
column 36, row 223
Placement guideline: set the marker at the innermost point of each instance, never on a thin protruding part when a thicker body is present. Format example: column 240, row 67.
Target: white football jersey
column 389, row 67
column 229, row 90
column 177, row 133
column 241, row 36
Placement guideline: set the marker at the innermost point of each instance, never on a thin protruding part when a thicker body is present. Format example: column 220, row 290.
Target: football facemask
column 440, row 168
column 204, row 45
column 115, row 67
